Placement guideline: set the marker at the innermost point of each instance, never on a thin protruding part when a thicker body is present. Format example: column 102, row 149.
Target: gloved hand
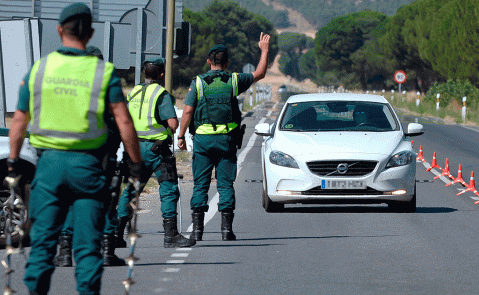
column 136, row 169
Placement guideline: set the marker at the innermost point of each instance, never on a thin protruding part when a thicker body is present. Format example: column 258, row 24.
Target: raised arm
column 263, row 61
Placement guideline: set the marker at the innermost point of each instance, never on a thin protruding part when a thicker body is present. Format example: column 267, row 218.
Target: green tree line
column 431, row 40
column 223, row 22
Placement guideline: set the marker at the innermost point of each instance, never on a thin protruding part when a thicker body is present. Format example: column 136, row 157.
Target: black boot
column 227, row 226
column 173, row 239
column 108, row 251
column 198, row 226
column 120, row 231
column 64, row 257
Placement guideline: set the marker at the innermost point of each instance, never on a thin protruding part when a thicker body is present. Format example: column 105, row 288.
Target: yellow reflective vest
column 142, row 101
column 67, row 102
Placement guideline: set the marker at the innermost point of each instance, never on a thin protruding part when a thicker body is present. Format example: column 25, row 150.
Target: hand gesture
column 264, row 41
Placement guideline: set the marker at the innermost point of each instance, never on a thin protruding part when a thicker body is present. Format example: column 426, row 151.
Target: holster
column 168, row 169
column 238, row 134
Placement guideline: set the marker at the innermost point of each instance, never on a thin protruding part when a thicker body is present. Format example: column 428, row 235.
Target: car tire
column 405, row 207
column 270, row 206
column 16, row 237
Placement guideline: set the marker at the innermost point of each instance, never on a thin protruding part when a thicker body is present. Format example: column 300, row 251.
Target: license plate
column 343, row 184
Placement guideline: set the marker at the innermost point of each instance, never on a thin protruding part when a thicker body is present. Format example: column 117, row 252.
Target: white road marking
column 171, row 269
column 180, row 254
column 184, row 249
column 213, row 204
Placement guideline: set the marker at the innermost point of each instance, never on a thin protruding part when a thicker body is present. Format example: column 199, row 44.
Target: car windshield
column 338, row 116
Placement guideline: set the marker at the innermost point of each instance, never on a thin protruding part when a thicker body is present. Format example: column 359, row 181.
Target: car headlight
column 282, row 159
column 400, row 159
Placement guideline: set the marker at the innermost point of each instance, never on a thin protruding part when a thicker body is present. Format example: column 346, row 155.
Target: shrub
column 453, row 90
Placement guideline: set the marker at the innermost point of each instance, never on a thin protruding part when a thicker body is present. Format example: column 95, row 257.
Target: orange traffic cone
column 458, row 178
column 445, row 171
column 420, row 156
column 434, row 163
column 471, row 187
column 412, row 142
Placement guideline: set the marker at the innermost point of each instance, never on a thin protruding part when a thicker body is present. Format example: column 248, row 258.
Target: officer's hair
column 218, row 58
column 78, row 28
column 153, row 71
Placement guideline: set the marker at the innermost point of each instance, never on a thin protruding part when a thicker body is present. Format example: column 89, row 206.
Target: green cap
column 218, row 48
column 95, row 51
column 157, row 62
column 73, row 10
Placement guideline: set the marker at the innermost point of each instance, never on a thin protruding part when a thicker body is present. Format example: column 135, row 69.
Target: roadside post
column 403, row 95
column 417, row 98
column 437, row 101
column 464, row 109
column 392, row 95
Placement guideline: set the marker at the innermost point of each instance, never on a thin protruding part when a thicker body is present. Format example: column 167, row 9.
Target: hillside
column 318, row 12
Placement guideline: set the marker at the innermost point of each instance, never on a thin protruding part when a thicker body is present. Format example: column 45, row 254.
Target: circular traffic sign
column 400, row 77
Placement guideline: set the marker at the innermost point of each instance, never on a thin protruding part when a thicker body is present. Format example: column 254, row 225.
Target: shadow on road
column 361, row 209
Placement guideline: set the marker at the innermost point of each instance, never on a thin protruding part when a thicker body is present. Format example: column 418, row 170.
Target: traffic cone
column 420, row 156
column 434, row 163
column 471, row 187
column 458, row 178
column 412, row 142
column 445, row 171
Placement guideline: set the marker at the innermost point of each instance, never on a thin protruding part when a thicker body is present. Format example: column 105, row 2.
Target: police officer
column 64, row 97
column 154, row 116
column 213, row 105
column 64, row 257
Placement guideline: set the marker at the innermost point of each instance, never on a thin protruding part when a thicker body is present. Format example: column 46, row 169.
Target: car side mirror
column 414, row 129
column 263, row 129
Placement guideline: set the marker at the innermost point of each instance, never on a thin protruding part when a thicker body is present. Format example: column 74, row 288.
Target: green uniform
column 66, row 94
column 150, row 106
column 213, row 143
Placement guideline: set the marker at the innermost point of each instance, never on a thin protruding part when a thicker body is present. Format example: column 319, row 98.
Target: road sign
column 400, row 77
column 248, row 68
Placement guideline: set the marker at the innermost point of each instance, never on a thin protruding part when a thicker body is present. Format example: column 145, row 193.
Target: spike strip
column 132, row 237
column 14, row 202
column 420, row 156
column 458, row 179
column 445, row 171
column 434, row 163
column 471, row 187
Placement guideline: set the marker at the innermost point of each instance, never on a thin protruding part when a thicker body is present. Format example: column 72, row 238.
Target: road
column 310, row 249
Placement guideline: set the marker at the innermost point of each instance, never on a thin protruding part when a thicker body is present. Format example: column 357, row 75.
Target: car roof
column 336, row 97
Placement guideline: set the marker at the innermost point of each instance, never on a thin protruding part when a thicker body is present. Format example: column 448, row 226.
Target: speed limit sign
column 400, row 77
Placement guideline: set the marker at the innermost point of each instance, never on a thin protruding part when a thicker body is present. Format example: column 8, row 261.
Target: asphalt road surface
column 309, row 249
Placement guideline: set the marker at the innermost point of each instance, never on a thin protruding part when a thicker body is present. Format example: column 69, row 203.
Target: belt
column 147, row 140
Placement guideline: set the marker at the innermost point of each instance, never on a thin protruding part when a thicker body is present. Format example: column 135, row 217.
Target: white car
column 336, row 148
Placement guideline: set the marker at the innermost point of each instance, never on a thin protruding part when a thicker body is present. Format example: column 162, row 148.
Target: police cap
column 72, row 11
column 157, row 62
column 218, row 48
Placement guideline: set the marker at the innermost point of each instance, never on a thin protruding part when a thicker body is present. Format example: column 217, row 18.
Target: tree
column 453, row 49
column 292, row 46
column 338, row 43
column 237, row 28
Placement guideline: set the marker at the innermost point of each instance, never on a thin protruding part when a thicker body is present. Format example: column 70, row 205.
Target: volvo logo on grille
column 342, row 168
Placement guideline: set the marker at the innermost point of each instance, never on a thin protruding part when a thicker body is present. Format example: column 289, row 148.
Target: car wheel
column 16, row 237
column 270, row 206
column 405, row 207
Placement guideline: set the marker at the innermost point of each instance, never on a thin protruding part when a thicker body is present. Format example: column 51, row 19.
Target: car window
column 338, row 116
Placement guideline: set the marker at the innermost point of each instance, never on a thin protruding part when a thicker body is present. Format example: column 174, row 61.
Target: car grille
column 330, row 168
column 347, row 192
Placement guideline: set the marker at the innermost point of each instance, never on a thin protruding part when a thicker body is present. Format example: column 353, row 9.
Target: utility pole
column 169, row 45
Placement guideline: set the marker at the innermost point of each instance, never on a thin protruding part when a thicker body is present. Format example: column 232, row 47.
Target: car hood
column 295, row 144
